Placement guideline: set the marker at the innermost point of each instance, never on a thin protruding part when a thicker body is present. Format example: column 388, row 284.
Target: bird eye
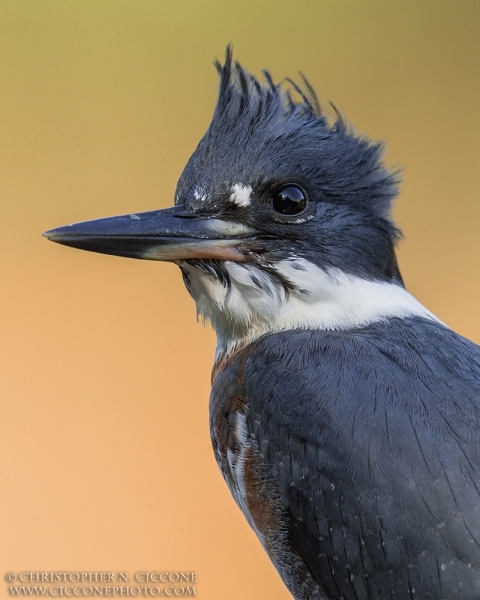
column 289, row 200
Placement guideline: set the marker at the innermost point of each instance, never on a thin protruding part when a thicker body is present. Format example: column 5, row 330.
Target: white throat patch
column 257, row 303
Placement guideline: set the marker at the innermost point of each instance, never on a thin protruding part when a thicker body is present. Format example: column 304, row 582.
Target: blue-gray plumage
column 344, row 415
column 370, row 438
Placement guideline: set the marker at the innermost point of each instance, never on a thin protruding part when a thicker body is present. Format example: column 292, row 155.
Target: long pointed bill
column 168, row 234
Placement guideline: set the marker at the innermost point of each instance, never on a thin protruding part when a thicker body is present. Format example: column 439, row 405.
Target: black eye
column 289, row 200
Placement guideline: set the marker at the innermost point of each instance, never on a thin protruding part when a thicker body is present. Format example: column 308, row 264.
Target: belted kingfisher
column 344, row 415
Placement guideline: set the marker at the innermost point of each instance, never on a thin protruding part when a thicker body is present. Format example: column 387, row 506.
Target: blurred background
column 105, row 375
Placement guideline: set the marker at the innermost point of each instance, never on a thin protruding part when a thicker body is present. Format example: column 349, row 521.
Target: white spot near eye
column 199, row 195
column 241, row 194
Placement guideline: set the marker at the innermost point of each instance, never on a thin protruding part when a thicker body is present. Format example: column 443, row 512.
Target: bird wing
column 371, row 439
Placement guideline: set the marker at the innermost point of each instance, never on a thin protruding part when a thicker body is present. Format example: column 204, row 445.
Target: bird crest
column 262, row 129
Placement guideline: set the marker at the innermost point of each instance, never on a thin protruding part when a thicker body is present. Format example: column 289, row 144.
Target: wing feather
column 372, row 437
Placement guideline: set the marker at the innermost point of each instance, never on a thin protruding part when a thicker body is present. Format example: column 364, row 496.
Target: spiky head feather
column 261, row 136
column 259, row 125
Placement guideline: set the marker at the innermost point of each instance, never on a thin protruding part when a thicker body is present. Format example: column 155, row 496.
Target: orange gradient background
column 106, row 456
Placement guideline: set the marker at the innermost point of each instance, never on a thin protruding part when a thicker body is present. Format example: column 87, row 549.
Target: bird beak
column 170, row 235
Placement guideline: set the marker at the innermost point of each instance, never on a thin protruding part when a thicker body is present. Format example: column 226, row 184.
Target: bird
column 344, row 415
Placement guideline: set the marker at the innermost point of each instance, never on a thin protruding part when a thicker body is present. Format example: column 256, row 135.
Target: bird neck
column 244, row 301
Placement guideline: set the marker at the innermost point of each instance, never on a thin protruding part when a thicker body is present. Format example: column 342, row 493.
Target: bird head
column 281, row 216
